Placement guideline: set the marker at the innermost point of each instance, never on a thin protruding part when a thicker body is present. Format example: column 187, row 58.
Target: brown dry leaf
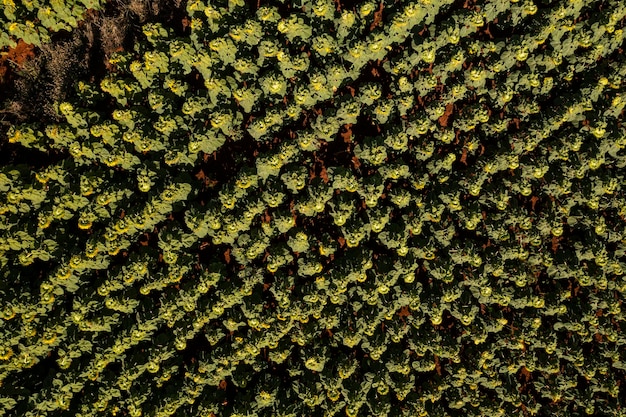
column 347, row 135
column 324, row 174
column 342, row 242
column 487, row 31
column 185, row 22
column 200, row 175
column 525, row 374
column 222, row 384
column 533, row 201
column 16, row 56
column 464, row 157
column 378, row 16
column 437, row 365
column 443, row 120
column 227, row 255
column 404, row 312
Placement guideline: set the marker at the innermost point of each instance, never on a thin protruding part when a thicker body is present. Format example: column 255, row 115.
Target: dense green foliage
column 33, row 21
column 316, row 209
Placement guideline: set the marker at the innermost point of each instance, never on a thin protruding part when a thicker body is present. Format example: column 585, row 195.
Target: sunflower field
column 301, row 208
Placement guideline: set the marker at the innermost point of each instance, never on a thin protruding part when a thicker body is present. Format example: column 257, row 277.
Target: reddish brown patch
column 378, row 16
column 324, row 174
column 533, row 201
column 222, row 384
column 404, row 312
column 200, row 175
column 15, row 56
column 487, row 31
column 443, row 120
column 464, row 157
column 227, row 255
column 346, row 133
column 437, row 365
column 342, row 241
column 525, row 373
column 555, row 243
